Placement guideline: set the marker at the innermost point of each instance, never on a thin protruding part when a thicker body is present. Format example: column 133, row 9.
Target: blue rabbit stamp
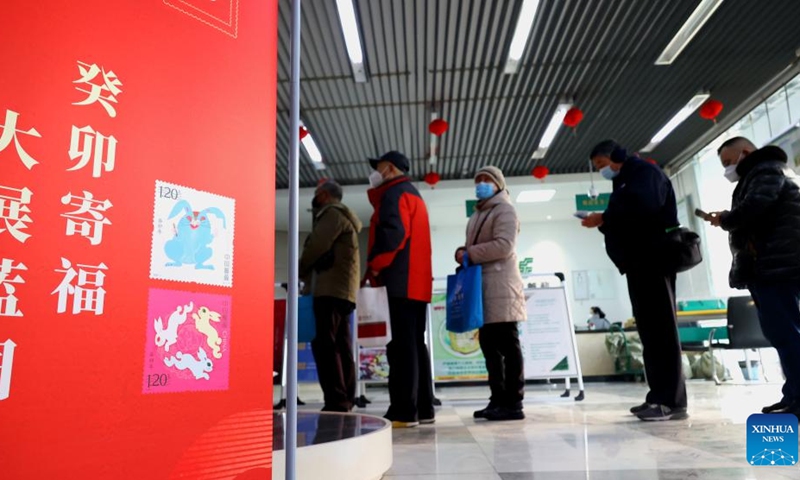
column 192, row 236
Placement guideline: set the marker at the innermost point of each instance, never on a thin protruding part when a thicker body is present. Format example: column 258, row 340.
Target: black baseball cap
column 395, row 158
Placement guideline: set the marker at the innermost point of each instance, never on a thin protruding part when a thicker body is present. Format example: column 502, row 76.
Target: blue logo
column 772, row 440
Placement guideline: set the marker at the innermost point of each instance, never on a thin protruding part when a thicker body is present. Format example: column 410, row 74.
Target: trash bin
column 752, row 372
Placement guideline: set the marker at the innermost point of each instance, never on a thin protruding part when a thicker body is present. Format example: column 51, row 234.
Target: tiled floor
column 595, row 439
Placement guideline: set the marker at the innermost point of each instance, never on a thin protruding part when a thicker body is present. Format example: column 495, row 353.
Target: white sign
column 547, row 337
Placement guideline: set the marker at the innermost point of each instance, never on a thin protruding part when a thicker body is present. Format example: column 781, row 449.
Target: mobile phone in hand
column 581, row 215
column 705, row 216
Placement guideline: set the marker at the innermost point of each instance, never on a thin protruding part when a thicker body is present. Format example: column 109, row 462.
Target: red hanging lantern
column 540, row 171
column 432, row 179
column 573, row 117
column 438, row 127
column 303, row 133
column 711, row 109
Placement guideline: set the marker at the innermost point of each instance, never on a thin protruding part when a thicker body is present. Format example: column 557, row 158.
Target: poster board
column 593, row 284
column 547, row 337
column 456, row 356
column 139, row 348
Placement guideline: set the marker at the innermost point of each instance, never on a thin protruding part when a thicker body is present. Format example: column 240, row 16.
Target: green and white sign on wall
column 526, row 266
column 585, row 203
column 471, row 207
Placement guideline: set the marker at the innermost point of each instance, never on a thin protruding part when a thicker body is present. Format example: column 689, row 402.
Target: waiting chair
column 744, row 332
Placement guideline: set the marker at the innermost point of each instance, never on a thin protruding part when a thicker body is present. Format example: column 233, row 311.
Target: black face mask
column 315, row 204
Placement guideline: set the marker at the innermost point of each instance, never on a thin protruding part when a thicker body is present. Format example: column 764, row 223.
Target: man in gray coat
column 491, row 242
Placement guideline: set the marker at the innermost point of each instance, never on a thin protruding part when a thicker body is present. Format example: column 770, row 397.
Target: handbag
column 465, row 299
column 374, row 321
column 683, row 249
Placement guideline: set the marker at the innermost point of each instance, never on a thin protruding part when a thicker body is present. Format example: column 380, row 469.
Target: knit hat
column 495, row 174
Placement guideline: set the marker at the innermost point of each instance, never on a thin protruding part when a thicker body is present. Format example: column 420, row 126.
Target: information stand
column 548, row 338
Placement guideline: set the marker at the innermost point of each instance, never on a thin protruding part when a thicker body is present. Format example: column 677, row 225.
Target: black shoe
column 780, row 407
column 660, row 413
column 503, row 414
column 482, row 413
column 640, row 408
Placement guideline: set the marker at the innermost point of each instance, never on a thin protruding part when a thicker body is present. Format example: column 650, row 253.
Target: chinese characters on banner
column 82, row 286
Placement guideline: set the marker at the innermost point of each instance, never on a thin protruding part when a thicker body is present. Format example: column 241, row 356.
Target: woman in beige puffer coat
column 491, row 242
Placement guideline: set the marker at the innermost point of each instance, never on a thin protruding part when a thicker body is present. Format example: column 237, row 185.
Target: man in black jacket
column 764, row 230
column 641, row 210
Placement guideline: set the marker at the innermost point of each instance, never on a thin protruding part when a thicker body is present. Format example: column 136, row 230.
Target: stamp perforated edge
column 153, row 233
column 230, row 328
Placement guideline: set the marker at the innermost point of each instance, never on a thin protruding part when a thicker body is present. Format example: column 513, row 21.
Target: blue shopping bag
column 465, row 299
column 306, row 323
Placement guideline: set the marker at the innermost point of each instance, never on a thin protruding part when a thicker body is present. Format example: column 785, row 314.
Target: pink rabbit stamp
column 187, row 342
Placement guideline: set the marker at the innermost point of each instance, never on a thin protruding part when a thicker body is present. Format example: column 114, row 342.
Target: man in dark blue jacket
column 764, row 229
column 641, row 210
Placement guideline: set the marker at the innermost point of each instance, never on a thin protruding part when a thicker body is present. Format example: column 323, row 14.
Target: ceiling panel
column 448, row 56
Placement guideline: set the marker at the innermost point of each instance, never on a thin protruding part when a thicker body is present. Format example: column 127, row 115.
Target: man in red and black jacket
column 400, row 259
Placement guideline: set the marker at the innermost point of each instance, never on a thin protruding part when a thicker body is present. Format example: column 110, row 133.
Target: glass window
column 778, row 111
column 761, row 125
column 793, row 92
column 743, row 128
column 761, row 131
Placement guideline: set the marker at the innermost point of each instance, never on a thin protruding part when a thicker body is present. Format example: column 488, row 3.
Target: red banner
column 137, row 153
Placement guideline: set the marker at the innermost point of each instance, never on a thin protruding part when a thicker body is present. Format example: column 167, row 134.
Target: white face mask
column 730, row 174
column 375, row 179
column 730, row 170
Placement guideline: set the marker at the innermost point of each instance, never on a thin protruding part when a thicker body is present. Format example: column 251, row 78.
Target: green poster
column 456, row 356
column 471, row 207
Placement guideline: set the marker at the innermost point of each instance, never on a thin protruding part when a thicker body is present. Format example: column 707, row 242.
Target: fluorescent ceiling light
column 313, row 152
column 693, row 24
column 679, row 117
column 352, row 39
column 552, row 130
column 522, row 32
column 535, row 196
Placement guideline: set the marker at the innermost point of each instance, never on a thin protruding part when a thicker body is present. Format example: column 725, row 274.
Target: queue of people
column 764, row 227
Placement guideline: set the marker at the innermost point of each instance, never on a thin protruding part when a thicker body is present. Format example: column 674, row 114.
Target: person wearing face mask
column 400, row 259
column 764, row 229
column 598, row 320
column 491, row 242
column 641, row 210
column 330, row 261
